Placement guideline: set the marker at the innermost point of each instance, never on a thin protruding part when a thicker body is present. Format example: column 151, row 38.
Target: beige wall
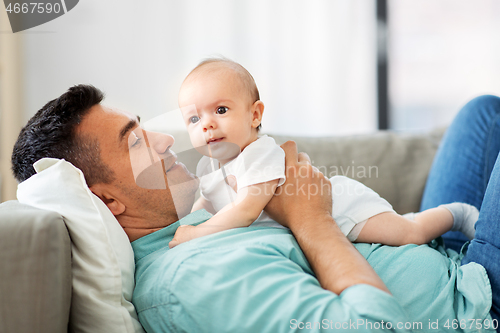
column 11, row 108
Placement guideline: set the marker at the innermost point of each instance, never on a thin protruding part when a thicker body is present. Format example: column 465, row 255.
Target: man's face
column 131, row 152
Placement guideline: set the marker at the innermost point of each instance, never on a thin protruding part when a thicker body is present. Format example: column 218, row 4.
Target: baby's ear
column 257, row 111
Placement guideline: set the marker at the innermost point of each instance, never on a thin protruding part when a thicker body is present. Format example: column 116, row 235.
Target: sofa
column 35, row 246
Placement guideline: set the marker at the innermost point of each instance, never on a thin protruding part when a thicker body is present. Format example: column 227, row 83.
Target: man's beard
column 170, row 194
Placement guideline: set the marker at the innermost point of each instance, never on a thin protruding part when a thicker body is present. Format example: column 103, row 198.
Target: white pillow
column 102, row 257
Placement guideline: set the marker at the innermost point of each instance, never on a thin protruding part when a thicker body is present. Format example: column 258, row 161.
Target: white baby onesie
column 261, row 161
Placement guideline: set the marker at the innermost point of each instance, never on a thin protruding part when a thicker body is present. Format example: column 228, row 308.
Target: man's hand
column 304, row 204
column 183, row 234
column 306, row 194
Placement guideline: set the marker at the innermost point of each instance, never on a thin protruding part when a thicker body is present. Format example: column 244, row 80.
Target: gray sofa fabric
column 35, row 252
column 35, row 273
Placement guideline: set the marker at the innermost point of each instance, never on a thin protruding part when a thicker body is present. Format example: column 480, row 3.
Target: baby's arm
column 203, row 203
column 393, row 229
column 249, row 203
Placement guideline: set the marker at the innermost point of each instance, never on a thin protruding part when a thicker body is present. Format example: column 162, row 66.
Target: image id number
column 33, row 7
column 471, row 324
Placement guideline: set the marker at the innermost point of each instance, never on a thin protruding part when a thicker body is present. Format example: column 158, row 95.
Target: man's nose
column 159, row 142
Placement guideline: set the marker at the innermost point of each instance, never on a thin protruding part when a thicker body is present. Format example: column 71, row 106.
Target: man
column 246, row 279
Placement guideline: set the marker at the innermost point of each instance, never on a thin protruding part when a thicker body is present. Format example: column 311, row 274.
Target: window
column 441, row 54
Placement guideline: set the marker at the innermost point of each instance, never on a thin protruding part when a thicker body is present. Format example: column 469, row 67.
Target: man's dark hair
column 51, row 132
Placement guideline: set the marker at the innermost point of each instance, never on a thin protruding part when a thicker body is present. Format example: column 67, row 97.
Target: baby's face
column 216, row 108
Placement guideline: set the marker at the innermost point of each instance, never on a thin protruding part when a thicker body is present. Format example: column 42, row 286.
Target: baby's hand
column 183, row 234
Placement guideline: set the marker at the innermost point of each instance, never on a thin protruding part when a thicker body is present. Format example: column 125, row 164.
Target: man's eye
column 194, row 119
column 137, row 142
column 222, row 110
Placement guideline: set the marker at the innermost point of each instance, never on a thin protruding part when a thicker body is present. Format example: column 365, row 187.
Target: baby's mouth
column 214, row 140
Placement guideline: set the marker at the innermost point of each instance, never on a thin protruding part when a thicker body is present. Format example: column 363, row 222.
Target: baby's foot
column 464, row 217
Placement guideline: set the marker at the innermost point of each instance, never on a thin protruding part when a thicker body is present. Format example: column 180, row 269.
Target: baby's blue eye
column 222, row 110
column 194, row 119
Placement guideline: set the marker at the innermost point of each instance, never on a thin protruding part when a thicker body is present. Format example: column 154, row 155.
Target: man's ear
column 103, row 191
column 257, row 112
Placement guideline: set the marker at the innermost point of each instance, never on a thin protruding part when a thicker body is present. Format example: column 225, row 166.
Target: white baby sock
column 464, row 217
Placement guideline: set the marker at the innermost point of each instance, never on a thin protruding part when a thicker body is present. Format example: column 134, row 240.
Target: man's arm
column 304, row 204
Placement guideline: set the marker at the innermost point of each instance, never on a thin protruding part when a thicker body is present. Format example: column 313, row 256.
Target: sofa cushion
column 35, row 273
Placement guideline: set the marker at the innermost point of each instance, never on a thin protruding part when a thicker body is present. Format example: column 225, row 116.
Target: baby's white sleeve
column 260, row 162
column 354, row 202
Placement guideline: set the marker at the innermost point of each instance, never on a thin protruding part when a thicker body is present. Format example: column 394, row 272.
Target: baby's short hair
column 245, row 75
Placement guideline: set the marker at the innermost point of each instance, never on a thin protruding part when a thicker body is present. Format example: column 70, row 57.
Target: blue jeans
column 467, row 169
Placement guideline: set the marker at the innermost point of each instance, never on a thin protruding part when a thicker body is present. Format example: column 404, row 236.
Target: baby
column 240, row 171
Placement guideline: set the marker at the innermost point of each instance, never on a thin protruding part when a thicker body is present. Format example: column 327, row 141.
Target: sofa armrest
column 35, row 272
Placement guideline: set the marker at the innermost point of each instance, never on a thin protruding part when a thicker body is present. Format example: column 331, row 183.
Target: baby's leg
column 363, row 216
column 393, row 229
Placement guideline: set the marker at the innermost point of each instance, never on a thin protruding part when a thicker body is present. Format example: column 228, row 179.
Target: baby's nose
column 208, row 124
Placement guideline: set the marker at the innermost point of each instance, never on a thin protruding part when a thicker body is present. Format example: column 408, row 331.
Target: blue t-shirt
column 257, row 279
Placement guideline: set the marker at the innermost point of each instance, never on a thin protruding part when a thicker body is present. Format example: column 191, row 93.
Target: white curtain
column 313, row 61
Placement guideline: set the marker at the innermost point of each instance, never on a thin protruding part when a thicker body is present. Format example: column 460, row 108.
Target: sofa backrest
column 395, row 165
